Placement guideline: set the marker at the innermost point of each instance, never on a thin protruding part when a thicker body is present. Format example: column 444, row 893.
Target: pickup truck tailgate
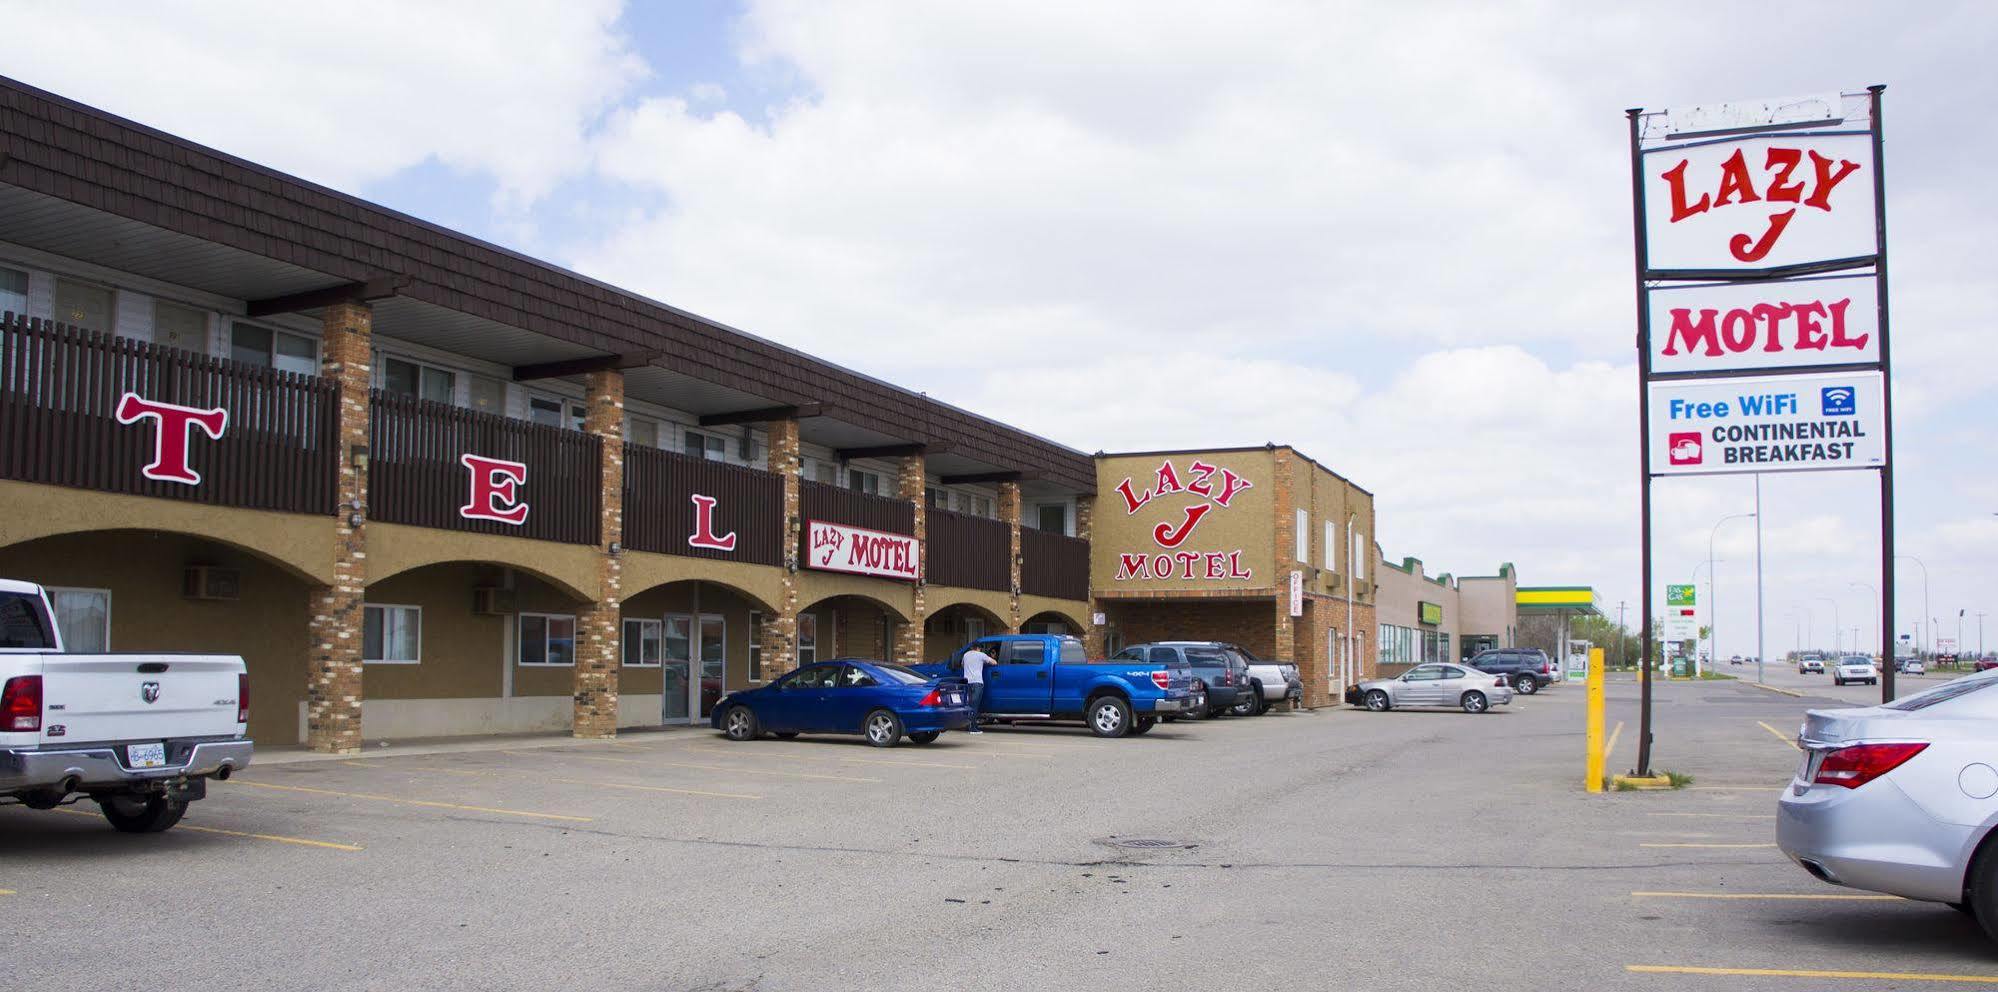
column 136, row 697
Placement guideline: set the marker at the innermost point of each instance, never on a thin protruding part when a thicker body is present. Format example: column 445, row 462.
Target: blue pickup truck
column 1047, row 677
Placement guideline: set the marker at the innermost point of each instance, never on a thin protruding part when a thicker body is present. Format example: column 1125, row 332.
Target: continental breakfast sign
column 1791, row 424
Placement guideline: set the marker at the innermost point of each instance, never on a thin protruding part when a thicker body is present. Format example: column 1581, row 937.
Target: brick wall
column 1243, row 622
column 333, row 670
column 778, row 640
column 599, row 629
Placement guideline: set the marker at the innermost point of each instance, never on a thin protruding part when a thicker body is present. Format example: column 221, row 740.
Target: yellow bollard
column 1595, row 705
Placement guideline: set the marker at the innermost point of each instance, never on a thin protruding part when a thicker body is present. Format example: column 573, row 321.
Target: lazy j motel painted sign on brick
column 856, row 550
column 1180, row 505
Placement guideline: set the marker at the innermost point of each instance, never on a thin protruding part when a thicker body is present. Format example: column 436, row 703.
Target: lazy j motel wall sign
column 1182, row 496
column 839, row 548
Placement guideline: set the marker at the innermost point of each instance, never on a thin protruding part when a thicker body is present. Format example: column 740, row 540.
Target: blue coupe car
column 848, row 696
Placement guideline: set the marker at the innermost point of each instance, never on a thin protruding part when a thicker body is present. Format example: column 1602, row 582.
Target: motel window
column 1331, row 544
column 391, row 635
column 641, row 431
column 977, row 506
column 708, row 446
column 1302, row 533
column 547, row 639
column 261, row 346
column 486, row 395
column 84, row 618
column 755, row 646
column 1054, row 518
column 808, row 638
column 554, row 411
column 176, row 326
column 749, row 449
column 644, row 643
column 401, row 377
column 13, row 291
column 84, row 305
column 974, row 628
column 863, row 482
column 1360, row 562
column 936, row 499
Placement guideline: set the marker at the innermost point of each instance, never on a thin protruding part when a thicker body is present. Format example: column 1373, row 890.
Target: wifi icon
column 1839, row 401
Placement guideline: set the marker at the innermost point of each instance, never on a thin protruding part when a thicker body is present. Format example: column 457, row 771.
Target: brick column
column 910, row 485
column 1093, row 635
column 1286, row 562
column 1009, row 512
column 779, row 636
column 599, row 625
column 333, row 670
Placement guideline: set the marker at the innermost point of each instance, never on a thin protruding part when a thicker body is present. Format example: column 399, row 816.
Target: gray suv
column 1527, row 669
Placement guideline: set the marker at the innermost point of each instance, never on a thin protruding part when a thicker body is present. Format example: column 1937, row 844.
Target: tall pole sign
column 1761, row 251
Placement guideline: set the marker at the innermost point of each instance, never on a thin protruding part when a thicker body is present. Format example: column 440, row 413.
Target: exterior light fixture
column 357, row 455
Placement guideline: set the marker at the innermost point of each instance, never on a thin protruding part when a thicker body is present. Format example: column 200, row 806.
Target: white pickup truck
column 140, row 734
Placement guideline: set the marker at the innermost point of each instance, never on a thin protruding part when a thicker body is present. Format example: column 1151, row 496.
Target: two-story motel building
column 429, row 486
column 1260, row 547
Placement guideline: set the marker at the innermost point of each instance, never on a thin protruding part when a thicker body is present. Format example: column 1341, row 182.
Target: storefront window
column 808, row 638
column 391, row 635
column 642, row 643
column 547, row 639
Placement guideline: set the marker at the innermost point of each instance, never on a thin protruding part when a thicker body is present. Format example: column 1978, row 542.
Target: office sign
column 1759, row 201
column 1719, row 327
column 834, row 547
column 1786, row 424
column 1679, row 595
column 1296, row 593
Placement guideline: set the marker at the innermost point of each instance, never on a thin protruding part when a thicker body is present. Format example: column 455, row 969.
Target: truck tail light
column 1162, row 678
column 1852, row 767
column 242, row 697
column 21, row 703
column 935, row 698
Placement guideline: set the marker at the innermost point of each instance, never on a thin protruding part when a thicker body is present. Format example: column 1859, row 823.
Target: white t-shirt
column 974, row 666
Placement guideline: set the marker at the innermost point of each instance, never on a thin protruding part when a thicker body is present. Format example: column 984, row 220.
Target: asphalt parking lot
column 1408, row 850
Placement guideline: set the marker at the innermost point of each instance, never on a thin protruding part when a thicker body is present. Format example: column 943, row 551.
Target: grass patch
column 1679, row 781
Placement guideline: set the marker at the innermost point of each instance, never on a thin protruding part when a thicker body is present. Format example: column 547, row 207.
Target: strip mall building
column 427, row 486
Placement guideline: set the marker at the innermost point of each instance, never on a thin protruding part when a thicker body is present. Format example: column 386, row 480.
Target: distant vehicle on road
column 1526, row 670
column 1853, row 668
column 140, row 734
column 1910, row 666
column 1736, row 660
column 875, row 699
column 1048, row 677
column 1810, row 666
column 1926, row 831
column 1438, row 685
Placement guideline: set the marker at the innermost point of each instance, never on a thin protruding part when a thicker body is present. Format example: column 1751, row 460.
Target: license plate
column 145, row 755
column 955, row 699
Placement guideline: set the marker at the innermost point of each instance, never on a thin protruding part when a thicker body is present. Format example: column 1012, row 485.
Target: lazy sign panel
column 1788, row 424
column 1759, row 202
column 1715, row 327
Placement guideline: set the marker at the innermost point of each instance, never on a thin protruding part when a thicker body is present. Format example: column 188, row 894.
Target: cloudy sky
column 1393, row 235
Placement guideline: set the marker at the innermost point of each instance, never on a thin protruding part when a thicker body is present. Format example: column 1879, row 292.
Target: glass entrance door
column 714, row 661
column 675, row 671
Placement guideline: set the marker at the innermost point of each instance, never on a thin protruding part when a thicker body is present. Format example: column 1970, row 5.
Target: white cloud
column 344, row 95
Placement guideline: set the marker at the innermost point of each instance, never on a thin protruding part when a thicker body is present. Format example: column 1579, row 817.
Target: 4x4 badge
column 149, row 691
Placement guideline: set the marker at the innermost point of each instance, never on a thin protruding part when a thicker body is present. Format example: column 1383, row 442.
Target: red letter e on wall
column 495, row 490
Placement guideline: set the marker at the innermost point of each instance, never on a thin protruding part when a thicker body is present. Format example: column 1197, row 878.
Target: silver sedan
column 1902, row 798
column 1451, row 686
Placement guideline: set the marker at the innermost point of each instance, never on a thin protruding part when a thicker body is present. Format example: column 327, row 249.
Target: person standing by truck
column 975, row 662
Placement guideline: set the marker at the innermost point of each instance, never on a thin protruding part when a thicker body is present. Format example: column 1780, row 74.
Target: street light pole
column 1760, row 648
column 1713, row 586
column 1837, row 628
column 1925, row 602
column 1876, row 598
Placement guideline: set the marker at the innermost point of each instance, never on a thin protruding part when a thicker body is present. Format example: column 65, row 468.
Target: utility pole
column 1925, row 605
column 1713, row 581
column 1980, row 633
column 1621, row 636
column 1761, row 648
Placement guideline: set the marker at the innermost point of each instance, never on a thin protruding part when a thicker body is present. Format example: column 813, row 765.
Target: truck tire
column 142, row 814
column 1108, row 716
column 1251, row 704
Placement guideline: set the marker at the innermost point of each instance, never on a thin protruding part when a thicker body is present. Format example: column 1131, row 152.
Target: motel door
column 1336, row 673
column 688, row 694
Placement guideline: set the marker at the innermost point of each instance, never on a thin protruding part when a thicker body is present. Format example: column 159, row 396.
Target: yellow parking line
column 409, row 802
column 1779, row 735
column 1723, row 816
column 655, row 788
column 1876, row 976
column 1810, row 896
column 1735, row 788
column 1610, row 748
column 278, row 838
column 794, row 756
column 1730, row 846
column 6, row 892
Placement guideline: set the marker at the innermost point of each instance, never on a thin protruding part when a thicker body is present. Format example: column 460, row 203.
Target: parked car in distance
column 1223, row 676
column 140, row 734
column 1854, row 668
column 1275, row 682
column 1526, row 670
column 1437, row 684
column 1047, row 677
column 1901, row 798
column 877, row 700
